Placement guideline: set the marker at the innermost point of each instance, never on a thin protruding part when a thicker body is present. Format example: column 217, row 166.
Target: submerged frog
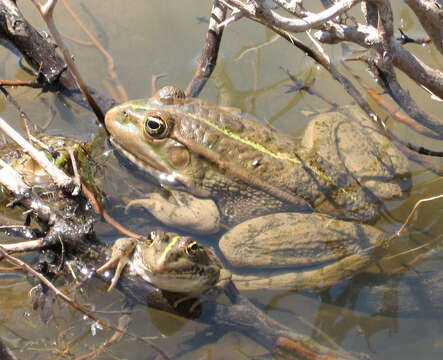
column 57, row 149
column 168, row 261
column 60, row 212
column 222, row 169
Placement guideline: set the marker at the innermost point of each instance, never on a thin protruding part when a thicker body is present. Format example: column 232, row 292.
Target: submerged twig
column 5, row 353
column 384, row 104
column 414, row 209
column 33, row 84
column 96, row 43
column 72, row 303
column 99, row 210
column 46, row 12
column 123, row 324
column 22, row 114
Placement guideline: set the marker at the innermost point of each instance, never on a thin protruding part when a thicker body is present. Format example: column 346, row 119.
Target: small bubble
column 27, row 315
column 94, row 327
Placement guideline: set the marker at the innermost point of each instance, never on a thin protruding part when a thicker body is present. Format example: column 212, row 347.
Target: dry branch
column 430, row 15
column 42, row 56
column 255, row 10
column 209, row 55
column 378, row 35
column 47, row 13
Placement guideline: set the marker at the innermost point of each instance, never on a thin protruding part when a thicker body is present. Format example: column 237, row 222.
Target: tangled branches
column 333, row 25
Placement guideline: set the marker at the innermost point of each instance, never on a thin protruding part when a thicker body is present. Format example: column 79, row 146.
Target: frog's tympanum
column 222, row 168
column 168, row 261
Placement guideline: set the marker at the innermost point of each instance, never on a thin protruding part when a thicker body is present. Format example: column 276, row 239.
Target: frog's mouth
column 164, row 177
column 158, row 172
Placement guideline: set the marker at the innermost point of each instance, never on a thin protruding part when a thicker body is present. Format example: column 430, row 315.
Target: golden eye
column 156, row 126
column 192, row 248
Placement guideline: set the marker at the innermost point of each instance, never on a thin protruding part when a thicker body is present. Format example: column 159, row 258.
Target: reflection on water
column 387, row 317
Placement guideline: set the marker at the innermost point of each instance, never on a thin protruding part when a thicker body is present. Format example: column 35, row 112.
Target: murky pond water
column 146, row 38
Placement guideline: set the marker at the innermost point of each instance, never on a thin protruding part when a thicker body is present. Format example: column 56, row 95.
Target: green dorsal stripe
column 228, row 132
column 281, row 156
column 168, row 248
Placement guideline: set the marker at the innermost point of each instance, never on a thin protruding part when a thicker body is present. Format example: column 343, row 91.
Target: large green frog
column 223, row 168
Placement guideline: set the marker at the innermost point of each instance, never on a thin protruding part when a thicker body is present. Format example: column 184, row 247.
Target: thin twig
column 209, row 55
column 254, row 9
column 30, row 83
column 99, row 210
column 154, row 81
column 106, row 54
column 123, row 324
column 25, row 246
column 416, row 206
column 46, row 11
column 384, row 104
column 76, row 177
column 235, row 16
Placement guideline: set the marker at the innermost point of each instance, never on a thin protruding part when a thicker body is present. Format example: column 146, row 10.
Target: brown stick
column 97, row 207
column 32, row 84
column 395, row 114
column 46, row 12
column 210, row 51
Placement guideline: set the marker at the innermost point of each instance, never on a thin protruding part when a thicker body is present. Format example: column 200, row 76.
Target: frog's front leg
column 224, row 279
column 120, row 256
column 219, row 287
column 183, row 211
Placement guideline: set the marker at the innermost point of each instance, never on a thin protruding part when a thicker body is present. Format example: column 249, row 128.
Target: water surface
column 153, row 37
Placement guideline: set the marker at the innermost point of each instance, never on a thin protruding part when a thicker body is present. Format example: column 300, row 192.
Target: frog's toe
column 119, row 264
column 121, row 251
column 118, row 270
column 224, row 279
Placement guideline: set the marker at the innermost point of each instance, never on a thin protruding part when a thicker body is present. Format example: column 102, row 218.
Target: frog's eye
column 192, row 248
column 155, row 126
